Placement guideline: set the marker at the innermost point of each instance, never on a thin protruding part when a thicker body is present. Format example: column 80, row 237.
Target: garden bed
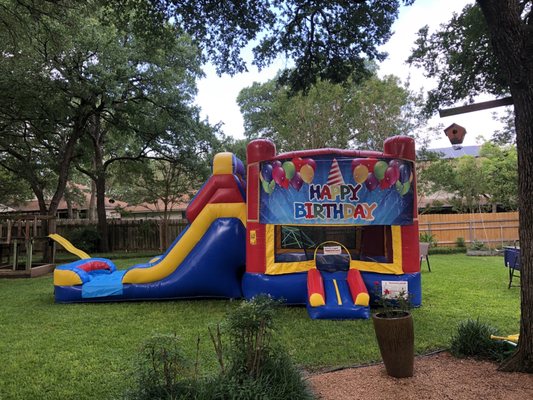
column 439, row 376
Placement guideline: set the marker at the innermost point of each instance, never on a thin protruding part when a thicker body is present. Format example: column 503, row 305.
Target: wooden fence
column 493, row 229
column 129, row 235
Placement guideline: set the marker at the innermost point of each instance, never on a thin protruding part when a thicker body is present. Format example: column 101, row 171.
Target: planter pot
column 396, row 340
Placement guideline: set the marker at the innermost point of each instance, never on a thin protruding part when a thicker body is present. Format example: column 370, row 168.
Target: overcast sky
column 217, row 95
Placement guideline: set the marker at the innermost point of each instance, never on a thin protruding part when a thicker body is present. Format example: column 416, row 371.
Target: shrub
column 258, row 366
column 255, row 367
column 428, row 237
column 477, row 245
column 472, row 339
column 446, row 250
column 460, row 242
column 86, row 238
column 163, row 372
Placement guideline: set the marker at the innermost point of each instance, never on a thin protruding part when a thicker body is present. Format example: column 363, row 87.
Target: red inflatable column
column 404, row 147
column 257, row 151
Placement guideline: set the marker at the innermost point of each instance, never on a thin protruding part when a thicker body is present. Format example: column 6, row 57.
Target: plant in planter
column 393, row 324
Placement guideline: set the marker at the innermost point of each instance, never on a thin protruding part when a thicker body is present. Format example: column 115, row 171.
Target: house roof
column 158, row 206
column 457, row 151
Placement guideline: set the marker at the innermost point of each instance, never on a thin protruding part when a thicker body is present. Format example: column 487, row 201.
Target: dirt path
column 438, row 376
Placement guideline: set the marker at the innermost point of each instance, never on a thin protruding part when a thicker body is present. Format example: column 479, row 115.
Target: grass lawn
column 86, row 351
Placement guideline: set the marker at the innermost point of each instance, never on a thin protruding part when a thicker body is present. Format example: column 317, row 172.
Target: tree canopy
column 331, row 115
column 330, row 40
column 474, row 184
column 460, row 56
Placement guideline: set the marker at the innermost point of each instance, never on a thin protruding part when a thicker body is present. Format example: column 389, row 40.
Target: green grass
column 86, row 351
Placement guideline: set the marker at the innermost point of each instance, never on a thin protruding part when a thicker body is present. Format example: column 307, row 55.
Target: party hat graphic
column 335, row 175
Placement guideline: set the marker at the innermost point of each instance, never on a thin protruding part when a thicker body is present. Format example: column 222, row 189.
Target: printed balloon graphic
column 371, row 182
column 399, row 186
column 391, row 175
column 307, row 173
column 268, row 187
column 278, row 174
column 405, row 172
column 379, row 169
column 266, row 172
column 357, row 161
column 311, row 163
column 297, row 181
column 402, row 188
column 289, row 169
column 360, row 173
column 276, row 163
column 395, row 166
column 298, row 163
column 285, row 184
column 406, row 187
column 385, row 183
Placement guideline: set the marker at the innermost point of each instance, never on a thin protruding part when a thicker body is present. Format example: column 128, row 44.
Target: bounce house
column 325, row 228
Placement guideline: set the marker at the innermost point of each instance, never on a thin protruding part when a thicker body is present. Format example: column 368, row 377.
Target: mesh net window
column 297, row 243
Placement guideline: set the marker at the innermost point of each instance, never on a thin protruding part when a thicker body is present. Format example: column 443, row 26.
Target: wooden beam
column 447, row 112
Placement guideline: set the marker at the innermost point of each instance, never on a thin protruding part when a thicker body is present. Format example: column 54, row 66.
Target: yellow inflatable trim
column 362, row 299
column 63, row 277
column 274, row 268
column 339, row 300
column 223, row 164
column 69, row 246
column 316, row 300
column 190, row 238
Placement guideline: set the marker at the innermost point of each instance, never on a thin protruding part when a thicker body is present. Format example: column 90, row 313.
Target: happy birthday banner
column 336, row 190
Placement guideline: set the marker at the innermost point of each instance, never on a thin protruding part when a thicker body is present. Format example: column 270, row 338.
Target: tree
column 101, row 83
column 13, row 191
column 162, row 185
column 499, row 165
column 474, row 183
column 496, row 52
column 331, row 115
column 330, row 40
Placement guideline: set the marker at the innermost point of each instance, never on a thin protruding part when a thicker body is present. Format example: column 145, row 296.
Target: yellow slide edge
column 68, row 246
column 190, row 238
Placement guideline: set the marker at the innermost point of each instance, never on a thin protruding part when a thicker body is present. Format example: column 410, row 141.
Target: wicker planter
column 396, row 340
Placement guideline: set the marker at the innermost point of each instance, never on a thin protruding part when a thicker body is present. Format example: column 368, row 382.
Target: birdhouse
column 456, row 133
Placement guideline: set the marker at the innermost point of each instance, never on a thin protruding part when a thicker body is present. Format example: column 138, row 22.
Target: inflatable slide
column 206, row 260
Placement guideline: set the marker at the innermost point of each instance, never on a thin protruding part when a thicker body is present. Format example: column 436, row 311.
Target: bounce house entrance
column 334, row 290
column 363, row 243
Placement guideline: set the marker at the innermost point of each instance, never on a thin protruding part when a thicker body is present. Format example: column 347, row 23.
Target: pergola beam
column 447, row 112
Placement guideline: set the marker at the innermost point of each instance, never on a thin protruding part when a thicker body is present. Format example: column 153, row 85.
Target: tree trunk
column 91, row 212
column 101, row 212
column 99, row 181
column 512, row 41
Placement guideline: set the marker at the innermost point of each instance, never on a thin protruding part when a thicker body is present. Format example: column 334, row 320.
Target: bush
column 163, row 372
column 472, row 339
column 258, row 366
column 86, row 238
column 255, row 367
column 460, row 242
column 477, row 245
column 427, row 237
column 446, row 250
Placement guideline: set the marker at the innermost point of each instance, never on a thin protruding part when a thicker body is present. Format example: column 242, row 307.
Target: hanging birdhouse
column 456, row 133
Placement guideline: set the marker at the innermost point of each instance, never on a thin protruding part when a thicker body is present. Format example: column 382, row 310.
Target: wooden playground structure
column 25, row 248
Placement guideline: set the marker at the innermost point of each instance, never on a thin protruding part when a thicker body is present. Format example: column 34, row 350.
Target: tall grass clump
column 472, row 339
column 258, row 366
column 163, row 371
column 252, row 364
